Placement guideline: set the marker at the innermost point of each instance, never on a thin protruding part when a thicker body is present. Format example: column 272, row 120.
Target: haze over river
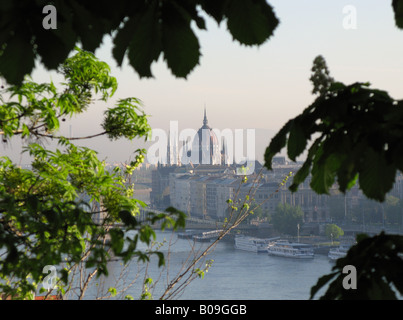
column 234, row 274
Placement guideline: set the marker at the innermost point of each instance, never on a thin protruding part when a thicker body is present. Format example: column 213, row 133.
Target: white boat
column 284, row 248
column 339, row 252
column 207, row 236
column 251, row 244
column 188, row 234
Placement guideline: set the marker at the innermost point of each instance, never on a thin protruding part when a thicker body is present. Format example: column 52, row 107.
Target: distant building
column 160, row 192
column 278, row 161
column 203, row 149
column 206, row 146
column 210, row 160
column 201, row 189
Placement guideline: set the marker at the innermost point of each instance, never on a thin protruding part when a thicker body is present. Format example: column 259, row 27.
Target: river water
column 233, row 275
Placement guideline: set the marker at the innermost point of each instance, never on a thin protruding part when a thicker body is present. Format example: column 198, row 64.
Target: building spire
column 169, row 162
column 205, row 122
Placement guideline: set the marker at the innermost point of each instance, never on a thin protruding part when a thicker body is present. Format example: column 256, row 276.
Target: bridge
column 195, row 223
column 370, row 229
column 209, row 224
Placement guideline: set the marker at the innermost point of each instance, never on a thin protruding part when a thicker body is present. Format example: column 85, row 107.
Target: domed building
column 206, row 145
column 203, row 149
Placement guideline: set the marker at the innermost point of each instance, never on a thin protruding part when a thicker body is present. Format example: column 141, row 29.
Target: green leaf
column 181, row 46
column 117, row 240
column 251, row 22
column 301, row 175
column 398, row 11
column 161, row 259
column 321, row 282
column 63, row 41
column 215, row 8
column 376, row 176
column 296, row 140
column 112, row 291
column 16, row 59
column 90, row 26
column 324, row 170
column 146, row 233
column 335, row 86
column 277, row 143
column 127, row 218
column 322, row 179
column 122, row 40
column 145, row 45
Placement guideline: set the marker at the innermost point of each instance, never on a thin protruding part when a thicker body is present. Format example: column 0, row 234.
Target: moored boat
column 284, row 248
column 339, row 252
column 253, row 244
column 207, row 236
column 187, row 234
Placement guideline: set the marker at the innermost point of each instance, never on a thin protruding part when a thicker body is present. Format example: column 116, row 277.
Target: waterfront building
column 206, row 145
column 226, row 189
column 160, row 186
column 202, row 189
column 198, row 196
column 212, row 160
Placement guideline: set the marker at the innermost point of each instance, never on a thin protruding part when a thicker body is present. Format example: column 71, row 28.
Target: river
column 234, row 274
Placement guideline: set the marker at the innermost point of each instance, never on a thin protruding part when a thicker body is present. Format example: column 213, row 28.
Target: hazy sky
column 256, row 87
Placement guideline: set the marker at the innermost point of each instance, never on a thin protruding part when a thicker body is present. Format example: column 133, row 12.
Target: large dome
column 206, row 144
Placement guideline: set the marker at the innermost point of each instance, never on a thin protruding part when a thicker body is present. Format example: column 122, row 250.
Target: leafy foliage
column 46, row 218
column 333, row 231
column 38, row 108
column 286, row 218
column 142, row 30
column 358, row 134
column 123, row 120
column 379, row 264
column 320, row 77
column 398, row 10
column 67, row 208
column 359, row 129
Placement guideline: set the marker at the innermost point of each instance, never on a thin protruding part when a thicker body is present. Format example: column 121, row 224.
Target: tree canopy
column 357, row 131
column 63, row 210
column 143, row 30
column 286, row 219
column 379, row 270
column 320, row 77
column 333, row 231
column 357, row 135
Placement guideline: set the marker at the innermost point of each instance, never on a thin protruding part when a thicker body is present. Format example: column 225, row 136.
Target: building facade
column 202, row 189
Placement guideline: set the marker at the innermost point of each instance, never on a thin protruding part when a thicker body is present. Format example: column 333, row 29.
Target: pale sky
column 255, row 87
